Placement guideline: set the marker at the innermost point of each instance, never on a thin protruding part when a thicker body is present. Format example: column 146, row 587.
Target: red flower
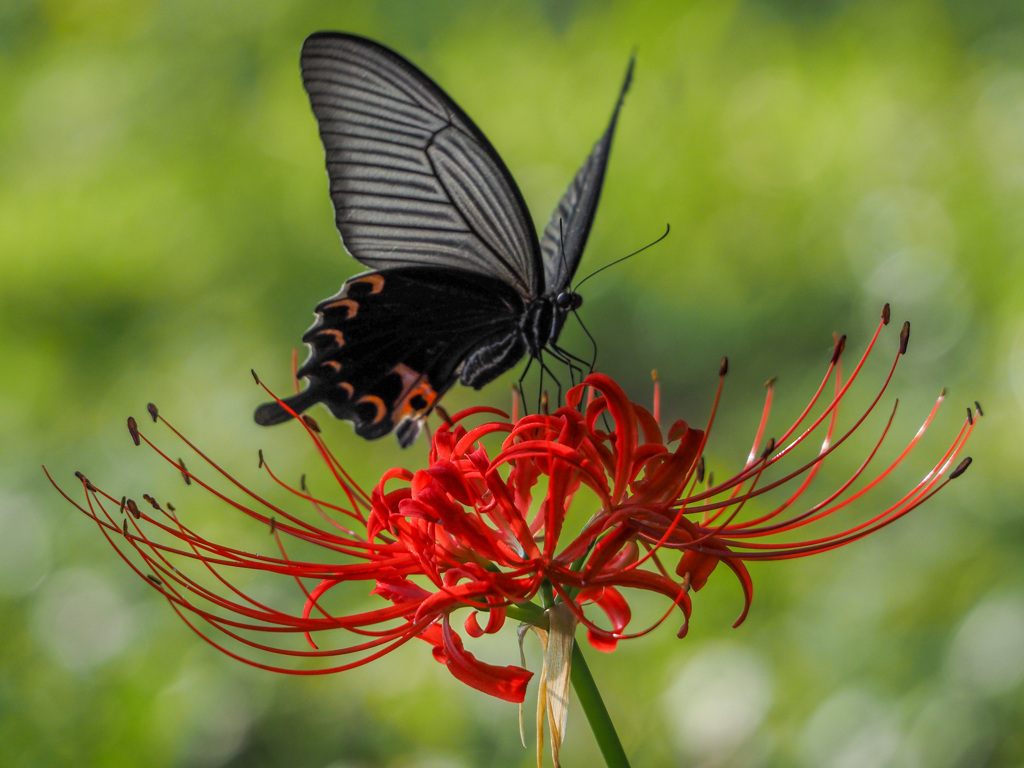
column 489, row 529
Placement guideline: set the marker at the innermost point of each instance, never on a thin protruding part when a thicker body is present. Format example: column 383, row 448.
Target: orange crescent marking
column 334, row 365
column 350, row 304
column 427, row 393
column 377, row 403
column 339, row 338
column 347, row 387
column 375, row 280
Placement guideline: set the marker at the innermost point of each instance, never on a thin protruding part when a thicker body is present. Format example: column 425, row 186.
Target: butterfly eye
column 568, row 301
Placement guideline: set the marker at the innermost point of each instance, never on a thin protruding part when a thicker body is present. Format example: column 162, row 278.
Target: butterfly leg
column 570, row 361
column 544, row 369
column 593, row 341
column 540, row 385
column 519, row 384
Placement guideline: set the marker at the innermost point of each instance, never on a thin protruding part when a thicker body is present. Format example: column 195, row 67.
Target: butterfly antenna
column 619, row 261
column 561, row 245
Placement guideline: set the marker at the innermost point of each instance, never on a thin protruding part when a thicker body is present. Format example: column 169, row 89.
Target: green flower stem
column 597, row 715
column 528, row 613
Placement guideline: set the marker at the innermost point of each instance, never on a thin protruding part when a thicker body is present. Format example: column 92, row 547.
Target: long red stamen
column 482, row 530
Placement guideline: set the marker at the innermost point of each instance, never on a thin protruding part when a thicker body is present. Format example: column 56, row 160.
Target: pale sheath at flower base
column 486, row 529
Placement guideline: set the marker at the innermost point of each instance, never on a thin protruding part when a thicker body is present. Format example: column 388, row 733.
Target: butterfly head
column 564, row 303
column 567, row 301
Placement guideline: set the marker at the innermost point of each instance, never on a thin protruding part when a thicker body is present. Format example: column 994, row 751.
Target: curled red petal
column 698, row 565
column 615, row 607
column 507, row 683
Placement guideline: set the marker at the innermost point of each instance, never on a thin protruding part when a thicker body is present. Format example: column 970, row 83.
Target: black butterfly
column 462, row 287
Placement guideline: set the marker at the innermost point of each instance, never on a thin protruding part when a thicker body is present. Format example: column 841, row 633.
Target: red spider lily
column 486, row 530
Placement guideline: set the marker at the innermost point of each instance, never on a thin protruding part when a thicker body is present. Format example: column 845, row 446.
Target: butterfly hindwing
column 386, row 348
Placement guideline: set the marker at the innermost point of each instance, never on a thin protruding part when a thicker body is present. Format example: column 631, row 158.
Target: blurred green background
column 165, row 227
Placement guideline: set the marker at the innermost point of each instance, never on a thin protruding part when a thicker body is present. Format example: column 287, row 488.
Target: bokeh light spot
column 987, row 652
column 717, row 701
column 852, row 729
column 25, row 558
column 81, row 619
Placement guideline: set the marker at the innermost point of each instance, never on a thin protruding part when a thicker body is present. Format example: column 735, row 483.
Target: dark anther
column 711, row 479
column 124, row 527
column 133, row 508
column 544, row 403
column 960, row 468
column 152, row 501
column 768, row 448
column 80, row 476
column 170, row 507
column 943, row 392
column 123, row 500
column 654, row 375
column 904, row 337
column 154, row 580
column 302, row 483
column 977, row 407
column 700, row 470
column 152, row 411
column 184, row 472
column 311, row 423
column 885, row 314
column 970, row 417
column 723, row 367
column 837, row 350
column 273, row 526
column 133, row 428
column 771, row 382
column 254, row 376
column 261, row 458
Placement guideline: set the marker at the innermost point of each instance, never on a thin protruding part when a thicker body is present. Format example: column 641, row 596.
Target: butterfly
column 461, row 287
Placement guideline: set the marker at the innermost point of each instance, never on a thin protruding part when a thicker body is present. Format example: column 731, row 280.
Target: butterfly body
column 462, row 288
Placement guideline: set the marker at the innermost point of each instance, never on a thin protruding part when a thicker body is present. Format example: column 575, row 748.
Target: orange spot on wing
column 350, row 304
column 377, row 403
column 375, row 281
column 418, row 396
column 338, row 336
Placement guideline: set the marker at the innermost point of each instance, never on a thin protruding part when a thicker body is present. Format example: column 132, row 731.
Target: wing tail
column 274, row 412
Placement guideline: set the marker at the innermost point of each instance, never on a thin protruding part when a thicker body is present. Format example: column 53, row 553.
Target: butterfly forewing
column 566, row 233
column 413, row 180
